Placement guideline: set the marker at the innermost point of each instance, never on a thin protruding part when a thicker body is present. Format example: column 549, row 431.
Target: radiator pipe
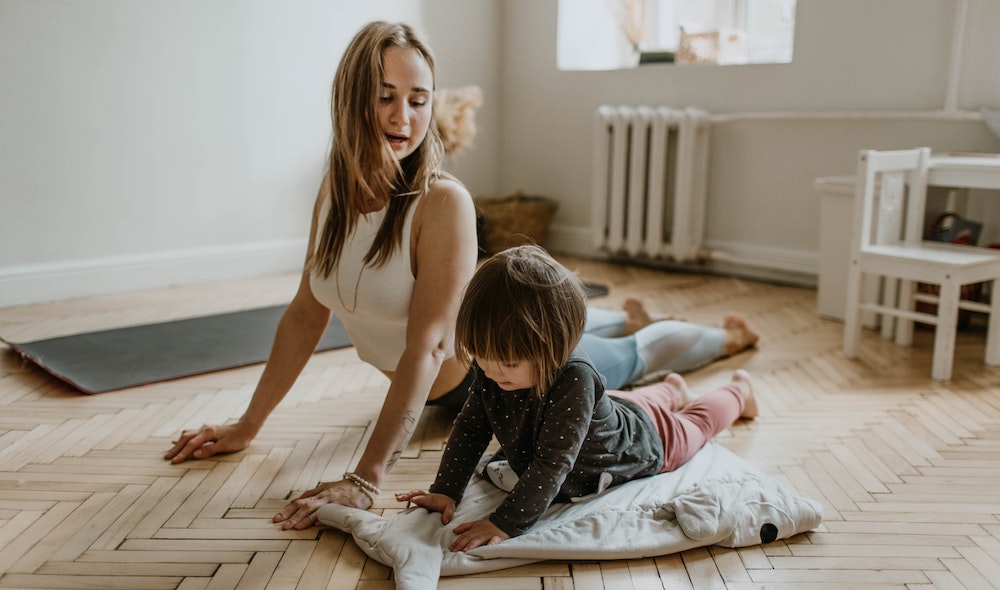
column 943, row 115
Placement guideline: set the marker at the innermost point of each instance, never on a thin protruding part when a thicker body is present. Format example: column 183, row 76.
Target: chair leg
column 852, row 311
column 871, row 290
column 993, row 327
column 945, row 332
column 889, row 286
column 904, row 326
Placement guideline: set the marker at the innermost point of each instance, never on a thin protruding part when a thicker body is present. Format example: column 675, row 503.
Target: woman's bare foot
column 681, row 386
column 636, row 316
column 742, row 380
column 739, row 336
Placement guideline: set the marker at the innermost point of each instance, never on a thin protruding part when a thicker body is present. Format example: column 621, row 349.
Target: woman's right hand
column 301, row 512
column 209, row 440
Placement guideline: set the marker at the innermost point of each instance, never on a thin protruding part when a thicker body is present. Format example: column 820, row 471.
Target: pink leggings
column 685, row 431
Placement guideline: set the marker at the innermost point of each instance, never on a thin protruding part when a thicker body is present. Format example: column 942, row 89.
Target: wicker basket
column 514, row 220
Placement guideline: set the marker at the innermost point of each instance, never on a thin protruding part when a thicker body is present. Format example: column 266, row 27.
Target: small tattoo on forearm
column 409, row 426
column 410, row 422
column 395, row 457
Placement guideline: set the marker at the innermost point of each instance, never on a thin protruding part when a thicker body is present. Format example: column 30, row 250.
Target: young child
column 520, row 322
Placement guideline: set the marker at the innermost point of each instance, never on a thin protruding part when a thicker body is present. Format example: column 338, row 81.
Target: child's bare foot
column 681, row 386
column 742, row 380
column 636, row 316
column 739, row 336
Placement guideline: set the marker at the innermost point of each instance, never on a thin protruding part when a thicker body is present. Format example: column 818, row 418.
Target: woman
column 393, row 243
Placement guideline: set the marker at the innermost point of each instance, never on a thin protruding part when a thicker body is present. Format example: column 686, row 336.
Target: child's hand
column 433, row 502
column 476, row 534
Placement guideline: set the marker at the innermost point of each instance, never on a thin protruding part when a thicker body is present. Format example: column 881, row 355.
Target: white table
column 964, row 171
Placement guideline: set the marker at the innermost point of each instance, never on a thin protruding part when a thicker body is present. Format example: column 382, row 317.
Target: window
column 616, row 34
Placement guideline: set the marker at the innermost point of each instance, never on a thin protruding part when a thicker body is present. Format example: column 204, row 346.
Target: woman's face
column 406, row 99
column 509, row 376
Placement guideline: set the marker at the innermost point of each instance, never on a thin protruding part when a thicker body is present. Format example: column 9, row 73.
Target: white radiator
column 649, row 182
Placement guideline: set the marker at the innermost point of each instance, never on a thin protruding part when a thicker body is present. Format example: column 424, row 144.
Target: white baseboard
column 37, row 283
column 570, row 240
column 728, row 258
column 749, row 256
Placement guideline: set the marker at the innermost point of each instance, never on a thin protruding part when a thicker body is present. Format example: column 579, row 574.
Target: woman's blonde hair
column 522, row 305
column 361, row 165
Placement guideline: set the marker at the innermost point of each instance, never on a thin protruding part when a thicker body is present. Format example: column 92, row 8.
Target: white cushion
column 715, row 498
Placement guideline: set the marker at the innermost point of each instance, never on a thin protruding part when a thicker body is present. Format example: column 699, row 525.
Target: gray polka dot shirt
column 559, row 444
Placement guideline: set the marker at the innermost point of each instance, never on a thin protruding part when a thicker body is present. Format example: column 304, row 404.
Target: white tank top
column 373, row 303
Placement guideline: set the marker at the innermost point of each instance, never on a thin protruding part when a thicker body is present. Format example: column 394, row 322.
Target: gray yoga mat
column 109, row 360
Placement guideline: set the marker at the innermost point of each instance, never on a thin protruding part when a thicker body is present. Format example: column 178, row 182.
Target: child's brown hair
column 522, row 305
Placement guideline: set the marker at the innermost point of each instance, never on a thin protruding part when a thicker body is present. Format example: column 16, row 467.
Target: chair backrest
column 890, row 199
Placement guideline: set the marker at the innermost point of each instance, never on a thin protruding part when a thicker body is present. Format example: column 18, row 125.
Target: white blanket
column 715, row 498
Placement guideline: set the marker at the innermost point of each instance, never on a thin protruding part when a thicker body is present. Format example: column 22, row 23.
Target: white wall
column 144, row 144
column 465, row 36
column 850, row 55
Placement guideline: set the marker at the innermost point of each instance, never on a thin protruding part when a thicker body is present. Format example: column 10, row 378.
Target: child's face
column 509, row 376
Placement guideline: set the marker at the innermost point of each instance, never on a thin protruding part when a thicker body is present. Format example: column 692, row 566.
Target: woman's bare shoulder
column 445, row 201
column 447, row 215
column 446, row 189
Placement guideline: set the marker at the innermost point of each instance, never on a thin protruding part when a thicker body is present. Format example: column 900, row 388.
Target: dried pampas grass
column 455, row 116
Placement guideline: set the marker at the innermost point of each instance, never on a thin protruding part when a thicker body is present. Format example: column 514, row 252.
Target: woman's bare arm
column 445, row 249
column 301, row 326
column 445, row 259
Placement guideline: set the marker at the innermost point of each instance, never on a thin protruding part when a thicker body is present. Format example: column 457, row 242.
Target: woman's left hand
column 476, row 534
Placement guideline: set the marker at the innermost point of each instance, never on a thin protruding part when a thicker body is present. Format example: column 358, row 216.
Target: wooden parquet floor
column 907, row 469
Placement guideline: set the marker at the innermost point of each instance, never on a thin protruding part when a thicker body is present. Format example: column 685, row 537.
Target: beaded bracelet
column 367, row 488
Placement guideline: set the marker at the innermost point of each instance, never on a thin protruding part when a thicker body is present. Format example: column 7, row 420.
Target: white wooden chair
column 888, row 243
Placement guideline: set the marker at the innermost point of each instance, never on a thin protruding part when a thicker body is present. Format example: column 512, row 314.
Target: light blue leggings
column 665, row 345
